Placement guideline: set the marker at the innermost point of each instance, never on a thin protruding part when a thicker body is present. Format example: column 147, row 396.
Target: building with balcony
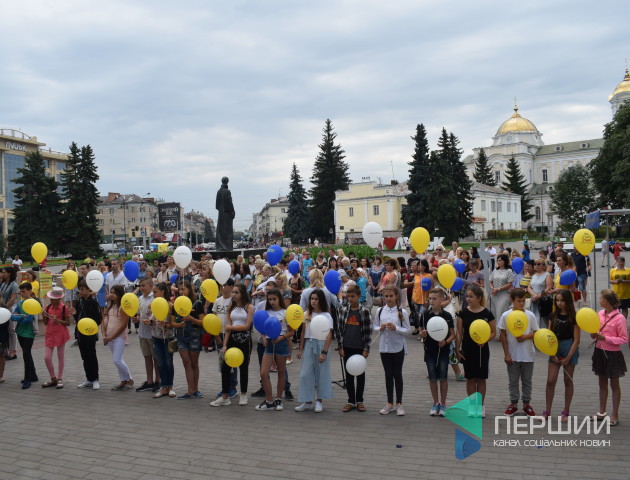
column 269, row 222
column 128, row 219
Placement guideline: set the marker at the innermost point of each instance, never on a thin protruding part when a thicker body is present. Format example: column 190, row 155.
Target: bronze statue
column 225, row 231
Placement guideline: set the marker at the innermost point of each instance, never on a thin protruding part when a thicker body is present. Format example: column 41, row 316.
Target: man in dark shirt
column 582, row 269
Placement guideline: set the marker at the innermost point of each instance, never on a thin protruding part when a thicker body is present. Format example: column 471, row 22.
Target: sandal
column 545, row 414
column 599, row 416
column 128, row 385
column 347, row 407
column 360, row 407
column 52, row 383
column 564, row 417
column 59, row 385
column 119, row 388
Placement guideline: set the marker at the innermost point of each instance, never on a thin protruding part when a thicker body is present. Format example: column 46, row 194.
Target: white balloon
column 372, row 234
column 94, row 280
column 320, row 326
column 437, row 328
column 5, row 315
column 182, row 256
column 222, row 271
column 356, row 365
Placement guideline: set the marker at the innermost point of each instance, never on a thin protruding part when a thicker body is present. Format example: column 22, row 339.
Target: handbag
column 577, row 295
column 545, row 305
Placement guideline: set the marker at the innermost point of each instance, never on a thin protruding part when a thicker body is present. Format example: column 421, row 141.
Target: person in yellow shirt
column 620, row 281
column 31, row 277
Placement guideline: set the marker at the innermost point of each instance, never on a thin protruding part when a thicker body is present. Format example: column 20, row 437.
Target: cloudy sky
column 174, row 95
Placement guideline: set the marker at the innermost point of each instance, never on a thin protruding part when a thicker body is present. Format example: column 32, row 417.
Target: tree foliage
column 515, row 182
column 483, row 172
column 208, row 231
column 442, row 202
column 414, row 213
column 297, row 224
column 463, row 185
column 573, row 196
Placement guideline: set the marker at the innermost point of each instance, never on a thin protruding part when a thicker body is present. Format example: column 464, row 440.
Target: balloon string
column 379, row 334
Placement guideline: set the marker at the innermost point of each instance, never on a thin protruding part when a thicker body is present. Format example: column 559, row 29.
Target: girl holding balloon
column 162, row 334
column 115, row 335
column 565, row 264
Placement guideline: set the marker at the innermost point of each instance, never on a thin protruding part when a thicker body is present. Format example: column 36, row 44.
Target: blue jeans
column 164, row 361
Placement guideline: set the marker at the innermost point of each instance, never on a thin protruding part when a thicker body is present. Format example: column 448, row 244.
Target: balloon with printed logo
column 87, row 326
column 458, row 284
column 459, row 265
column 131, row 270
column 209, row 290
column 295, row 316
column 94, row 280
column 294, row 267
column 546, row 341
column 479, row 331
column 130, row 304
column 69, row 279
column 182, row 256
column 159, row 307
column 588, row 320
column 32, row 307
column 426, row 283
column 517, row 323
column 332, row 280
column 5, row 315
column 273, row 328
column 356, row 365
column 584, row 241
column 234, row 357
column 320, row 326
column 222, row 271
column 517, row 265
column 420, row 239
column 182, row 306
column 274, row 254
column 446, row 275
column 568, row 277
column 39, row 251
column 437, row 328
column 212, row 324
column 372, row 234
column 260, row 317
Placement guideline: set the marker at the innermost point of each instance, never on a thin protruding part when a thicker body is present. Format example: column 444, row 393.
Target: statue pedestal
column 230, row 254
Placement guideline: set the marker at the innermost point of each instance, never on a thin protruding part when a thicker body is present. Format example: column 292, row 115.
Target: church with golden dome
column 540, row 164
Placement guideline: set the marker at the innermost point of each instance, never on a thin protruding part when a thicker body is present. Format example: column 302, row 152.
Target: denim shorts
column 437, row 367
column 189, row 341
column 563, row 349
column 581, row 280
column 281, row 348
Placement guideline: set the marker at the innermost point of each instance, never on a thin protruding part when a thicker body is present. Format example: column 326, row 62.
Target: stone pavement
column 71, row 433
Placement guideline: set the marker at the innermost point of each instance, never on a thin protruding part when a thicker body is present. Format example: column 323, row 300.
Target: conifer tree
column 414, row 213
column 463, row 188
column 442, row 201
column 515, row 182
column 483, row 172
column 297, row 224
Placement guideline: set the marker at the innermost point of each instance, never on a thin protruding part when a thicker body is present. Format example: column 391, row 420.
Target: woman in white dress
column 540, row 285
column 501, row 280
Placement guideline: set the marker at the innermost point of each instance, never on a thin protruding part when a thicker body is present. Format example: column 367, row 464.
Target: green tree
column 37, row 208
column 414, row 213
column 208, row 231
column 573, row 196
column 80, row 233
column 297, row 224
column 483, row 172
column 515, row 183
column 611, row 168
column 442, row 202
column 330, row 173
column 463, row 185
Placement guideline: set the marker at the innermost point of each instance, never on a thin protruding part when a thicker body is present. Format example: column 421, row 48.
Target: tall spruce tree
column 515, row 183
column 297, row 224
column 37, row 208
column 330, row 173
column 80, row 232
column 208, row 231
column 442, row 206
column 414, row 213
column 463, row 187
column 483, row 172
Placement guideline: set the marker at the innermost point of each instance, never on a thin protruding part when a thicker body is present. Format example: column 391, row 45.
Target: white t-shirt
column 17, row 263
column 520, row 351
column 307, row 332
column 491, row 251
column 111, row 280
column 220, row 307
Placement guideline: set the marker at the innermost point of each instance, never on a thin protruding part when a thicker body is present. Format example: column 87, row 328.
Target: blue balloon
column 459, row 265
column 294, row 267
column 458, row 284
column 273, row 328
column 517, row 265
column 174, row 278
column 426, row 284
column 332, row 280
column 568, row 277
column 260, row 317
column 274, row 254
column 131, row 270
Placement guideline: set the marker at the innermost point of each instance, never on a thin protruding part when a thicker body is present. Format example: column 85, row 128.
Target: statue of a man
column 225, row 232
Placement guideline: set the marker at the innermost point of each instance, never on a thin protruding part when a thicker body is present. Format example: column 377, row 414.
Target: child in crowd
column 88, row 307
column 115, row 334
column 56, row 319
column 26, row 335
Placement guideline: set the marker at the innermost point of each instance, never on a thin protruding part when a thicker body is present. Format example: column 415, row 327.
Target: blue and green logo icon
column 466, row 414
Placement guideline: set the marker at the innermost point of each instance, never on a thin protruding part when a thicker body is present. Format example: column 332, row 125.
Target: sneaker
column 232, row 393
column 318, row 407
column 26, row 384
column 483, row 412
column 529, row 410
column 259, row 393
column 242, row 399
column 278, row 404
column 442, row 411
column 288, row 396
column 145, row 387
column 156, row 387
column 435, row 409
column 511, row 410
column 185, row 396
column 304, row 406
column 386, row 409
column 459, row 377
column 221, row 402
column 400, row 411
column 197, row 394
column 85, row 385
column 96, row 385
column 266, row 406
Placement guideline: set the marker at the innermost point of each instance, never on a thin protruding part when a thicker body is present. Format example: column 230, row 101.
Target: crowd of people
column 382, row 301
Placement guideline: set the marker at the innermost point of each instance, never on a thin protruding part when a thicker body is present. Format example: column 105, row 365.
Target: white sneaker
column 304, row 406
column 96, row 385
column 435, row 409
column 221, row 402
column 386, row 409
column 243, row 399
column 318, row 407
column 483, row 412
column 400, row 411
column 86, row 384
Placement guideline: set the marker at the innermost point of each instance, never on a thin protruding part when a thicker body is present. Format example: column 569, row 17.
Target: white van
column 109, row 247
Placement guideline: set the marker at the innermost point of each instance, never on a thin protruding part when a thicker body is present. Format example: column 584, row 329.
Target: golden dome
column 624, row 86
column 516, row 123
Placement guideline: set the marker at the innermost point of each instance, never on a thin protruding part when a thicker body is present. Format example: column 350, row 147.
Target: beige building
column 268, row 224
column 127, row 219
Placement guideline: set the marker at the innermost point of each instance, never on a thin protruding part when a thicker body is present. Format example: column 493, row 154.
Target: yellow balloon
column 419, row 239
column 446, row 275
column 234, row 357
column 584, row 241
column 87, row 326
column 295, row 316
column 69, row 278
column 517, row 323
column 209, row 290
column 587, row 320
column 546, row 341
column 32, row 306
column 130, row 304
column 159, row 307
column 479, row 331
column 39, row 252
column 212, row 324
column 182, row 305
